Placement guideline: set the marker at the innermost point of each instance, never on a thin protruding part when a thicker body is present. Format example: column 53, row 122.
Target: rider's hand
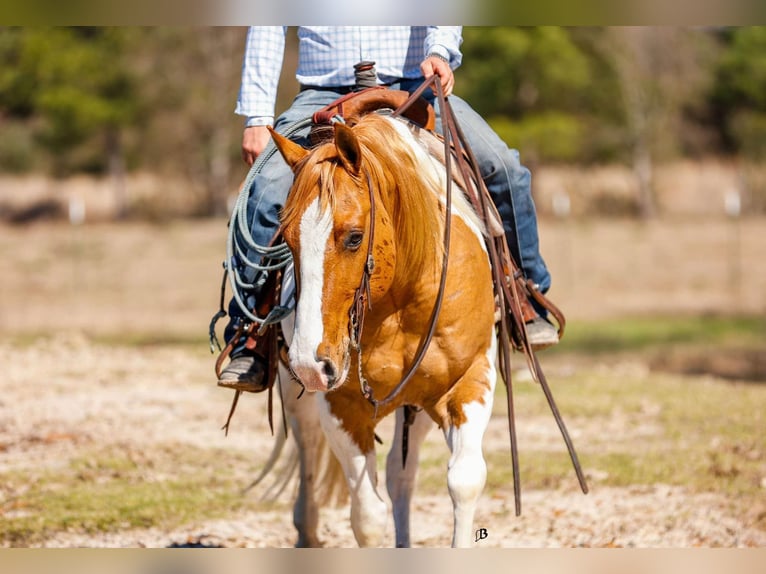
column 433, row 65
column 254, row 140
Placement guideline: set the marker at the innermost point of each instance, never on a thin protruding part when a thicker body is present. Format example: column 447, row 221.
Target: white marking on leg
column 369, row 512
column 467, row 470
column 306, row 430
column 315, row 228
column 400, row 481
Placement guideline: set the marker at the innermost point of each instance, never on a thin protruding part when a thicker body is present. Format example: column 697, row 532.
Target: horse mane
column 409, row 191
column 412, row 198
column 315, row 170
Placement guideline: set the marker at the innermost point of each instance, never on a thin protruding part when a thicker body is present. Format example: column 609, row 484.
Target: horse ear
column 291, row 151
column 348, row 148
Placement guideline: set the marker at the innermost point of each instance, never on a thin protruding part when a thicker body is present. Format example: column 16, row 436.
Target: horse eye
column 353, row 240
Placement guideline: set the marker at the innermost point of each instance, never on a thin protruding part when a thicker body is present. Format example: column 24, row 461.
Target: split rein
column 362, row 295
column 509, row 285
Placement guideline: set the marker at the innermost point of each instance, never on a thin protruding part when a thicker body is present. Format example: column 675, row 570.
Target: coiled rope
column 240, row 242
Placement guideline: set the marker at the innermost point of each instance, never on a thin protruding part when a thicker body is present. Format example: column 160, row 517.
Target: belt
column 337, row 89
column 343, row 90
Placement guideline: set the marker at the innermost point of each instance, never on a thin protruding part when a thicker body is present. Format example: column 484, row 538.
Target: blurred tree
column 98, row 99
column 190, row 82
column 661, row 72
column 739, row 100
column 72, row 81
column 572, row 94
column 528, row 83
column 162, row 99
column 740, row 90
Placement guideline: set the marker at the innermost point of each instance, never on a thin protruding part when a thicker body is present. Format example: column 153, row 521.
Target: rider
column 404, row 56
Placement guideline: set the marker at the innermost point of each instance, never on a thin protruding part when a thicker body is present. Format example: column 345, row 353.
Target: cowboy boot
column 245, row 372
column 252, row 365
column 541, row 333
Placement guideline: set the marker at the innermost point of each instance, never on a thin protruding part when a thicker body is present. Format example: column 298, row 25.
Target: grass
column 593, row 338
column 702, row 435
column 670, row 427
column 632, row 426
column 107, row 491
column 647, row 333
column 699, row 433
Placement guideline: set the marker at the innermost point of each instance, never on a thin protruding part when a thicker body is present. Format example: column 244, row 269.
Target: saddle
column 354, row 105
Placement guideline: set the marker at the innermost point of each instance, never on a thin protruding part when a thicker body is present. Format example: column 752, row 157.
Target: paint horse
column 375, row 193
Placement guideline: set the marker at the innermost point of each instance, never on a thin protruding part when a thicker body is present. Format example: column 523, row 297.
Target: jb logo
column 481, row 534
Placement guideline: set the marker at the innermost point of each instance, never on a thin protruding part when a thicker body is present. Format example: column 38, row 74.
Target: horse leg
column 368, row 510
column 466, row 469
column 400, row 479
column 304, row 424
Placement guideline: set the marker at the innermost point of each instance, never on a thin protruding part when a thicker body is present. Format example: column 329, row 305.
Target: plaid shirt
column 327, row 55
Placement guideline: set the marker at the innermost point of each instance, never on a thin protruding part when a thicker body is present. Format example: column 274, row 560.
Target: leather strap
column 426, row 341
column 511, row 288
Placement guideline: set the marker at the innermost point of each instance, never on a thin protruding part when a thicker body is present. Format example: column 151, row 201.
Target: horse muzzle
column 319, row 374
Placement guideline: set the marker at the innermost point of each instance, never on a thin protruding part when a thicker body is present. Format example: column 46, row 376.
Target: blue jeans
column 508, row 182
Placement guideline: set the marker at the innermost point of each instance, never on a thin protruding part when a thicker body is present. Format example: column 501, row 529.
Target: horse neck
column 402, row 229
column 408, row 181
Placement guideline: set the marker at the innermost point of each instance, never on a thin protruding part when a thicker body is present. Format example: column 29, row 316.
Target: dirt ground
column 80, row 307
column 167, row 394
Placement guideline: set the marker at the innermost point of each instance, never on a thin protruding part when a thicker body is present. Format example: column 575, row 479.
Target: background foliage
column 121, row 100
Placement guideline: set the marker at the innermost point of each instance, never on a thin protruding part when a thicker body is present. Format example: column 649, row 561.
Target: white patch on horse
column 466, row 469
column 369, row 512
column 315, row 229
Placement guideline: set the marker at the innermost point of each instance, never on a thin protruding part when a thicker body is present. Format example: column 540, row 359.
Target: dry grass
column 162, row 281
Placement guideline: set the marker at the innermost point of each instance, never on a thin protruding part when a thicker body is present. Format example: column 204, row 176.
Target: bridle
column 508, row 282
column 361, row 300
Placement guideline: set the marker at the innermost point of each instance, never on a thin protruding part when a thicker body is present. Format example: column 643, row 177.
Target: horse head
column 327, row 222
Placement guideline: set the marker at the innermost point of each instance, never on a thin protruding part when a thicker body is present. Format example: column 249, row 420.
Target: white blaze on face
column 315, row 228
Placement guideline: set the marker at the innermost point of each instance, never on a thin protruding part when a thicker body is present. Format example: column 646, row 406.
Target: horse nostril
column 330, row 371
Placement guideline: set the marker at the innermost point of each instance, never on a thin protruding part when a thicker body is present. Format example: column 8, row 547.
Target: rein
column 362, row 293
column 508, row 281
